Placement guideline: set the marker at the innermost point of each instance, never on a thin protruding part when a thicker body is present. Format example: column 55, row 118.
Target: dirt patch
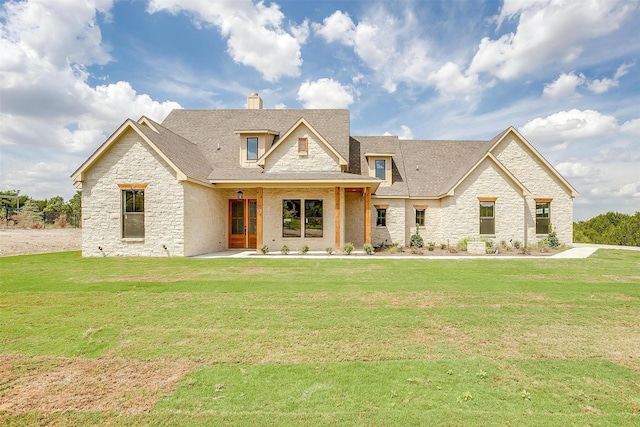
column 25, row 242
column 107, row 384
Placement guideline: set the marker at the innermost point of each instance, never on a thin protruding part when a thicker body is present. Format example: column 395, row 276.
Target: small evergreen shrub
column 517, row 244
column 416, row 240
column 284, row 250
column 329, row 250
column 368, row 249
column 304, row 249
column 462, row 245
column 432, row 246
column 348, row 248
column 264, row 249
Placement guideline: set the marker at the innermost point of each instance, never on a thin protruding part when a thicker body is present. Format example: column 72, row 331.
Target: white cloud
column 599, row 86
column 405, row 132
column 565, row 86
column 325, row 93
column 576, row 169
column 255, row 36
column 47, row 104
column 547, row 31
column 631, row 190
column 632, row 127
column 388, row 45
column 569, row 125
column 449, row 79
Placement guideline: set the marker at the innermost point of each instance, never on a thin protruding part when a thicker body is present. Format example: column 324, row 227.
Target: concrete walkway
column 578, row 250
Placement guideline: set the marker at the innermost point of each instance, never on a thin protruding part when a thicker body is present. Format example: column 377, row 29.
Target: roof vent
column 254, row 102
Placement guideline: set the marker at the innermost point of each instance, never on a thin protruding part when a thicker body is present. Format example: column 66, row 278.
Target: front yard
column 319, row 341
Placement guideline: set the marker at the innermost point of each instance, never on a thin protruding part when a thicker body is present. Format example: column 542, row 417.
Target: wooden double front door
column 243, row 223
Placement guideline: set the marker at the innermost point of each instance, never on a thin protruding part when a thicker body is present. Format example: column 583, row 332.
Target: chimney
column 254, row 102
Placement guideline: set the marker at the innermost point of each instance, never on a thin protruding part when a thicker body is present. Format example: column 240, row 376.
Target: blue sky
column 566, row 74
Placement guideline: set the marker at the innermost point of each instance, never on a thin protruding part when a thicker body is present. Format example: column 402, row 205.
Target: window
column 381, row 171
column 420, row 217
column 313, row 218
column 303, row 145
column 381, row 217
column 252, row 148
column 132, row 213
column 487, row 217
column 543, row 211
column 291, row 218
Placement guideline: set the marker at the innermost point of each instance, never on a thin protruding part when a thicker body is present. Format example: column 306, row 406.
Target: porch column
column 367, row 215
column 337, row 220
column 259, row 202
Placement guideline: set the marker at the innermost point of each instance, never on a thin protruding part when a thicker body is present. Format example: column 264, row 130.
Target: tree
column 612, row 228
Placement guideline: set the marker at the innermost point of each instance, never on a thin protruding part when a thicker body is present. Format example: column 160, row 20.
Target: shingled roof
column 213, row 130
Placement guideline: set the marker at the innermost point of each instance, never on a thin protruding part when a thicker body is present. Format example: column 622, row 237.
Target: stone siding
column 285, row 158
column 535, row 177
column 395, row 231
column 132, row 161
column 432, row 229
column 461, row 212
column 205, row 220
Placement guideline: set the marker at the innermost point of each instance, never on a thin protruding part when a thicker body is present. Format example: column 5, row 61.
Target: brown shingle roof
column 210, row 129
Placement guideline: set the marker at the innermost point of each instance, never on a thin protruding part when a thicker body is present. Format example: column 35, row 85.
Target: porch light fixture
column 240, row 194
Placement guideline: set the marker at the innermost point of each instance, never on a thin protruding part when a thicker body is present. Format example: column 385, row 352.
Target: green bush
column 368, row 249
column 462, row 244
column 264, row 249
column 432, row 246
column 329, row 250
column 348, row 248
column 284, row 250
column 304, row 249
column 416, row 240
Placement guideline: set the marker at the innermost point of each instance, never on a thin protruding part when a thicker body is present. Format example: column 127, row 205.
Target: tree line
column 611, row 228
column 23, row 210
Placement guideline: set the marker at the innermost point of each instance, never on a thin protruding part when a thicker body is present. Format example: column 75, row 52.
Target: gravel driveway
column 23, row 242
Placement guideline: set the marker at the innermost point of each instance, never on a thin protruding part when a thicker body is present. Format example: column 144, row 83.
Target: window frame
column 420, row 220
column 541, row 219
column 135, row 210
column 303, row 145
column 257, row 147
column 487, row 223
column 307, row 217
column 292, row 218
column 381, row 217
column 384, row 168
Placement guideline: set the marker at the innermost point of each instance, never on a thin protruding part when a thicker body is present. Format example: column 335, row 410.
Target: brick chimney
column 254, row 102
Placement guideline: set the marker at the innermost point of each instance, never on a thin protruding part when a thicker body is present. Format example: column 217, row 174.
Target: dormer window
column 380, row 167
column 303, row 146
column 252, row 148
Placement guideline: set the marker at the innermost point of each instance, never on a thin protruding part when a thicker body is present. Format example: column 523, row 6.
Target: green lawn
column 320, row 342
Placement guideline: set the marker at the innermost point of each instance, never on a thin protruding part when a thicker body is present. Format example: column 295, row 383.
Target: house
column 204, row 181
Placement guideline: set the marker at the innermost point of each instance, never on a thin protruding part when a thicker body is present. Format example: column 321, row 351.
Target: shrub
column 368, row 249
column 348, row 248
column 61, row 221
column 417, row 251
column 462, row 244
column 416, row 240
column 304, row 249
column 443, row 246
column 517, row 244
column 432, row 246
column 553, row 240
column 264, row 249
column 284, row 250
column 329, row 250
column 489, row 246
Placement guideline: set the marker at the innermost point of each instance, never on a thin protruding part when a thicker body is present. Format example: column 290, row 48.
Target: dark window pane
column 381, row 217
column 291, row 218
column 133, row 213
column 252, row 148
column 380, row 169
column 543, row 214
column 420, row 217
column 313, row 218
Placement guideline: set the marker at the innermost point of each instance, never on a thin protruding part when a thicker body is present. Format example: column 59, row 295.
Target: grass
column 319, row 341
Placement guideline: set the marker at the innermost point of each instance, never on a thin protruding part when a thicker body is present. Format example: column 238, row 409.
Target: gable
column 489, row 162
column 531, row 168
column 302, row 148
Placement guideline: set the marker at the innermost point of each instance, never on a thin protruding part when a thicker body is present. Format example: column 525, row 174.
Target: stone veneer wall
column 395, row 231
column 272, row 218
column 131, row 161
column 461, row 212
column 205, row 220
column 534, row 175
column 432, row 230
column 285, row 157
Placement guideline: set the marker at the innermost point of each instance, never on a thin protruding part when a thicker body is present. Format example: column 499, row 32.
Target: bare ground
column 32, row 241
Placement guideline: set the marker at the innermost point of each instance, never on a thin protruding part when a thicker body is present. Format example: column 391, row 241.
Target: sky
column 565, row 74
